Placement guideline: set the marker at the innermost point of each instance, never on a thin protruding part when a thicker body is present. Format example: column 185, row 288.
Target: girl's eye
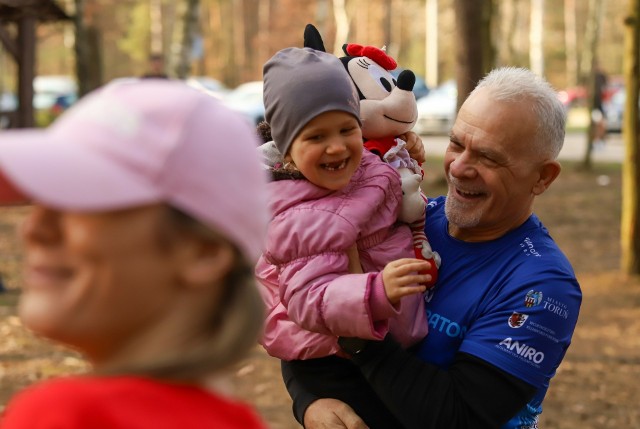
column 347, row 130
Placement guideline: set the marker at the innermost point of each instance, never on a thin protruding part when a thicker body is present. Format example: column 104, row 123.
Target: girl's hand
column 401, row 278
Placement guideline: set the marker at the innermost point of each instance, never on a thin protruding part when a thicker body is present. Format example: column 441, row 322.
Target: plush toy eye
column 385, row 83
column 382, row 76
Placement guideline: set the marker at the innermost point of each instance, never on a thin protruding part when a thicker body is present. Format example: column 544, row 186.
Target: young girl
column 332, row 203
column 139, row 252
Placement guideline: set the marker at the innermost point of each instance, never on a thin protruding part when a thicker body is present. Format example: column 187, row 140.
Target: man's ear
column 207, row 262
column 548, row 172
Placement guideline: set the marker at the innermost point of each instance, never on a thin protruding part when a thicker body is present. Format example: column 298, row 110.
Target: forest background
column 231, row 39
column 596, row 386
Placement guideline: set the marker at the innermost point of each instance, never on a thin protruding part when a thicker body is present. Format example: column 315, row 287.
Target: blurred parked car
column 247, row 99
column 573, row 97
column 47, row 89
column 209, row 85
column 437, row 110
column 614, row 109
column 62, row 103
column 420, row 88
column 8, row 105
column 52, row 94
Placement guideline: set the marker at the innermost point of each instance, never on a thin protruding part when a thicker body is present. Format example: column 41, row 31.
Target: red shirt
column 124, row 402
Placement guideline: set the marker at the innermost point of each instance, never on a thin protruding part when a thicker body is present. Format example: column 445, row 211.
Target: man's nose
column 463, row 166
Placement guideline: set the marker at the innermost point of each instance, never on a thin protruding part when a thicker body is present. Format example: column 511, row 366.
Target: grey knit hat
column 300, row 84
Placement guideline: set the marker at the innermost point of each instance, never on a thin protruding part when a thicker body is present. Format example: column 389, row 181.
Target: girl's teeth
column 334, row 166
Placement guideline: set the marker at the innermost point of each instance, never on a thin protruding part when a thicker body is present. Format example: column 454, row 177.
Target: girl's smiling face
column 328, row 150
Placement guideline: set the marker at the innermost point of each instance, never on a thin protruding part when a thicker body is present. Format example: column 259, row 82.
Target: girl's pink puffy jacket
column 310, row 296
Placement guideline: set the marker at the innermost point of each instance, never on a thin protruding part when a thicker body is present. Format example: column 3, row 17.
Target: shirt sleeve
column 526, row 331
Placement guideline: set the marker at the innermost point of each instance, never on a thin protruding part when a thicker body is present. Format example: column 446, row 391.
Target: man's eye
column 490, row 161
column 455, row 145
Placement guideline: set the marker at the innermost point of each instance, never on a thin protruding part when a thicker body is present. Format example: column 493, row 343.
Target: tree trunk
column 509, row 41
column 155, row 19
column 472, row 19
column 431, row 43
column 183, row 36
column 238, row 39
column 264, row 20
column 342, row 26
column 536, row 41
column 630, row 222
column 587, row 71
column 88, row 52
column 489, row 50
column 387, row 27
column 570, row 42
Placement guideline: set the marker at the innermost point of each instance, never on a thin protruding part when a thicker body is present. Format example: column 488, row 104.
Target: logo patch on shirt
column 522, row 350
column 528, row 249
column 516, row 319
column 556, row 307
column 533, row 298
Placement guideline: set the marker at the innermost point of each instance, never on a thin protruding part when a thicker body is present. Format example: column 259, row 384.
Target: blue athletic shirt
column 512, row 302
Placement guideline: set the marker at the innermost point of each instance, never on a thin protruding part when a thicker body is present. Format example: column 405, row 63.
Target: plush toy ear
column 312, row 38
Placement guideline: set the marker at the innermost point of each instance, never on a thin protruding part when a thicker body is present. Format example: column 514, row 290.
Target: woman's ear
column 207, row 262
column 548, row 172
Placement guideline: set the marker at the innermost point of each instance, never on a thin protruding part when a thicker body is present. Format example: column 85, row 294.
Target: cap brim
column 37, row 166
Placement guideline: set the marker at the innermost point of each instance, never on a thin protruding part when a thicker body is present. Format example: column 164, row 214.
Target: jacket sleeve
column 321, row 296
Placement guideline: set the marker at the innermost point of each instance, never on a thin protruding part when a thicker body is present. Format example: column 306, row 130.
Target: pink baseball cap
column 143, row 142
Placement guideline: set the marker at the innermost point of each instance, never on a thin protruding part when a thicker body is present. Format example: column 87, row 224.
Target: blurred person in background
column 597, row 114
column 156, row 68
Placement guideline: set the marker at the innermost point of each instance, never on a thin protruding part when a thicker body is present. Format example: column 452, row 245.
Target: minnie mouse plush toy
column 388, row 109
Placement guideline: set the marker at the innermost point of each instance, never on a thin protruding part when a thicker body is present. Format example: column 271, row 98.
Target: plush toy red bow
column 376, row 54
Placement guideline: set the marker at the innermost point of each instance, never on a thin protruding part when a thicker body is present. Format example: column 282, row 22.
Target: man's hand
column 414, row 146
column 329, row 413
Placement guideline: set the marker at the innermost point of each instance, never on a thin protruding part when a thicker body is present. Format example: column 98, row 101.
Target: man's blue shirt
column 512, row 302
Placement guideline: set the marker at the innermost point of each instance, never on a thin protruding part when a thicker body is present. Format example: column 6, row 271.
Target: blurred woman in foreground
column 149, row 213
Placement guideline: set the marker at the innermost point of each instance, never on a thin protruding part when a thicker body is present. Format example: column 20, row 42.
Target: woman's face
column 96, row 281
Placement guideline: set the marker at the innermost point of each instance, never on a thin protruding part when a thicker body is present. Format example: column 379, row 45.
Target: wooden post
column 26, row 65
